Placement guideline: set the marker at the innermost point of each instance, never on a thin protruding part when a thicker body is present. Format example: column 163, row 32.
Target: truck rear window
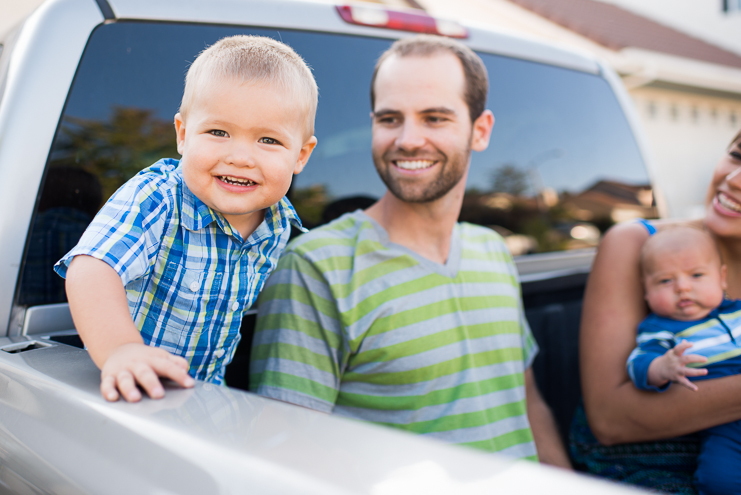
column 562, row 165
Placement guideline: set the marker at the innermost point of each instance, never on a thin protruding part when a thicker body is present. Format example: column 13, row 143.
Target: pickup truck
column 88, row 90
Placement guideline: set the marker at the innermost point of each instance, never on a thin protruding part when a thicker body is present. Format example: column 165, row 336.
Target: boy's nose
column 682, row 284
column 240, row 155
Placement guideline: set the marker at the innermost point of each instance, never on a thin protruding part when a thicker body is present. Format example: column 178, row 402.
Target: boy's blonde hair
column 254, row 58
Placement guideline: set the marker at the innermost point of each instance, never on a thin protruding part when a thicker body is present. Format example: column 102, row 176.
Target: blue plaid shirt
column 189, row 276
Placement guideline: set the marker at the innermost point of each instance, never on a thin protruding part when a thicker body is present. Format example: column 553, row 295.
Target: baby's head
column 245, row 125
column 683, row 275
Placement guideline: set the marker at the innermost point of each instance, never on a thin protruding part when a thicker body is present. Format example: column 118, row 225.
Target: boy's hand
column 132, row 364
column 672, row 367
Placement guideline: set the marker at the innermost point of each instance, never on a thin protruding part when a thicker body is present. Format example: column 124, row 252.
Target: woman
column 617, row 412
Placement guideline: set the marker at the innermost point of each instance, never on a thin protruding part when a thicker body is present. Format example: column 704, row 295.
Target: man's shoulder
column 473, row 233
column 342, row 234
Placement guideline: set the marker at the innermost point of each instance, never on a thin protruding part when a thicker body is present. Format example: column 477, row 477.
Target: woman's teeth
column 413, row 164
column 728, row 203
column 236, row 181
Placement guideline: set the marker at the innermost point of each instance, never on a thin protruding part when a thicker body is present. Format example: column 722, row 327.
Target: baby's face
column 241, row 145
column 685, row 284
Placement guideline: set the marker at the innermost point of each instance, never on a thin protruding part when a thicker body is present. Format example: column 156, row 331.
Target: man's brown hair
column 425, row 45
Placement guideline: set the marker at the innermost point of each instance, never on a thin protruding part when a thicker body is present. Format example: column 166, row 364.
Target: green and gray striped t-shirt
column 353, row 324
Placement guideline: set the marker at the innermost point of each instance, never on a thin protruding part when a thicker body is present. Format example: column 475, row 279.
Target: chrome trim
column 42, row 66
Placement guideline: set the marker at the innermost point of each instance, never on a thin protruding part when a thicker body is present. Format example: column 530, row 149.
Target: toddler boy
column 684, row 283
column 159, row 280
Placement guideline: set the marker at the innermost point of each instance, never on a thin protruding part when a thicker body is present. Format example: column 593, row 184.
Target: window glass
column 561, row 167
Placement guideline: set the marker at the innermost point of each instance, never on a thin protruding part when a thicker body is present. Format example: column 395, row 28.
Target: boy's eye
column 218, row 133
column 736, row 155
column 697, row 275
column 665, row 281
column 267, row 140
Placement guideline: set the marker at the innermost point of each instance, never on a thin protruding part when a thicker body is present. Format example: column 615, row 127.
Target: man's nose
column 411, row 136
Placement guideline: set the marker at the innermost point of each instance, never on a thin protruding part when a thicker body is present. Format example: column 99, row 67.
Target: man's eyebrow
column 385, row 111
column 443, row 110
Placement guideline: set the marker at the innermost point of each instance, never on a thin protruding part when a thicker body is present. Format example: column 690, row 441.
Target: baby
column 684, row 282
column 159, row 281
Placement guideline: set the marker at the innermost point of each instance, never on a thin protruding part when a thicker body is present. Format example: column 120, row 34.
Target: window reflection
column 562, row 165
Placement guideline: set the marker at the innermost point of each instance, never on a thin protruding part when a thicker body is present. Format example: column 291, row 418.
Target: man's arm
column 99, row 308
column 547, row 440
column 297, row 347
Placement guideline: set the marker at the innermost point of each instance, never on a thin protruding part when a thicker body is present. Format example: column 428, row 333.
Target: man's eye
column 218, row 133
column 267, row 140
column 435, row 119
column 387, row 120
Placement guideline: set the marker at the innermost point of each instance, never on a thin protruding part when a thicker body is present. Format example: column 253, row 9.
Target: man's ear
column 482, row 131
column 180, row 132
column 304, row 154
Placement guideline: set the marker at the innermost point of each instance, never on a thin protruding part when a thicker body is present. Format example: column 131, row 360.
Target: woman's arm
column 613, row 308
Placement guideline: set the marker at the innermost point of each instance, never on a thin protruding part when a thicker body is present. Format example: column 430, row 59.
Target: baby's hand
column 672, row 367
column 132, row 364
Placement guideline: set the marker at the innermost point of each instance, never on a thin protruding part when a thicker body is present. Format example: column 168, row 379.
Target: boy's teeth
column 236, row 181
column 413, row 164
column 729, row 203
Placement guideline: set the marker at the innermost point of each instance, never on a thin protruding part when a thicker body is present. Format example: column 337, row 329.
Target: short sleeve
column 299, row 347
column 126, row 232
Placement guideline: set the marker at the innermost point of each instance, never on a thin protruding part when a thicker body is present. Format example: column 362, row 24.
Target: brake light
column 403, row 21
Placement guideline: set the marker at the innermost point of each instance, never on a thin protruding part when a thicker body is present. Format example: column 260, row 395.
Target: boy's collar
column 195, row 215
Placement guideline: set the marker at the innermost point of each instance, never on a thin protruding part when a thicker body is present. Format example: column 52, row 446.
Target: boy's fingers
column 685, row 382
column 127, row 386
column 108, row 388
column 174, row 371
column 694, row 358
column 681, row 347
column 695, row 372
column 148, row 380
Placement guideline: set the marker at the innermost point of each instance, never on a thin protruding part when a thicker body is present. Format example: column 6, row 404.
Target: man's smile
column 413, row 164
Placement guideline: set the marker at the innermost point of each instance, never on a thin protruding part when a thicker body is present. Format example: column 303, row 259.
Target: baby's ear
column 180, row 132
column 304, row 154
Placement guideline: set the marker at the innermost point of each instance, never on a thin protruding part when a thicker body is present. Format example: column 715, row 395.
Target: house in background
column 686, row 89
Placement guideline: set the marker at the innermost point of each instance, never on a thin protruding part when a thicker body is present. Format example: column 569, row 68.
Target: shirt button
column 194, row 287
column 235, row 306
column 220, row 353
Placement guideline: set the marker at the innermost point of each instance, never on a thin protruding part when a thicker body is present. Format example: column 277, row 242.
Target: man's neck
column 425, row 228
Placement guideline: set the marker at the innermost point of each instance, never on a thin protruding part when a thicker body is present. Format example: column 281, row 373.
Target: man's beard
column 452, row 170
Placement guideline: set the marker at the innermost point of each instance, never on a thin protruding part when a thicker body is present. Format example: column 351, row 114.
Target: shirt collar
column 195, row 215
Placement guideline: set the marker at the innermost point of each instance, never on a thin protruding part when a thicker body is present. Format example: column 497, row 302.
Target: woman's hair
column 253, row 58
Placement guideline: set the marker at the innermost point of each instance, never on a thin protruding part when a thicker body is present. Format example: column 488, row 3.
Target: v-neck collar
column 448, row 269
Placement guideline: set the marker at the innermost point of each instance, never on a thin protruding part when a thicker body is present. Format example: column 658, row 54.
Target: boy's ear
column 180, row 132
column 304, row 154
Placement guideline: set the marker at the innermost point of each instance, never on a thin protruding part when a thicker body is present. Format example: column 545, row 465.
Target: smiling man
column 399, row 314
